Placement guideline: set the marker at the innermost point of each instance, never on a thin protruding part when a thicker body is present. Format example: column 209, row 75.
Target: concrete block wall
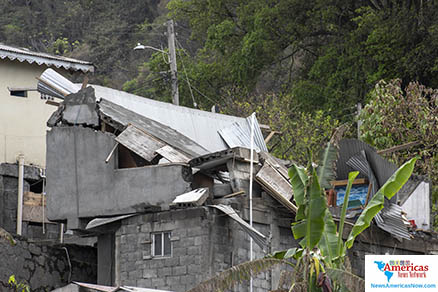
column 190, row 260
column 204, row 242
column 45, row 267
column 241, row 254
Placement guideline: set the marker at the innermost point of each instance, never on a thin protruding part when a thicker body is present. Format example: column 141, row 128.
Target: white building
column 23, row 111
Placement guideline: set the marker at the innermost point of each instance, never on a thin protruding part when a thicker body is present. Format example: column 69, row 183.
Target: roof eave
column 71, row 66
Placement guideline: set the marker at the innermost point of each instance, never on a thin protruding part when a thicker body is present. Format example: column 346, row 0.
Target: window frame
column 162, row 255
column 19, row 93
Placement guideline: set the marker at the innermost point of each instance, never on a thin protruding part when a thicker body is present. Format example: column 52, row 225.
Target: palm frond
column 348, row 280
column 7, row 236
column 237, row 274
column 292, row 281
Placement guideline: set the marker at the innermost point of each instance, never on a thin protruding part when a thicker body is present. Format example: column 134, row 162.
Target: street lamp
column 143, row 47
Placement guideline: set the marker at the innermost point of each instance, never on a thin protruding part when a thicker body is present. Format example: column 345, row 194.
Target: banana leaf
column 298, row 179
column 351, row 177
column 312, row 227
column 326, row 169
column 329, row 240
column 388, row 190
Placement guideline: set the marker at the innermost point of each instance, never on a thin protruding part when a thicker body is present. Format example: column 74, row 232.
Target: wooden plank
column 276, row 185
column 267, row 139
column 399, row 147
column 234, row 194
column 172, row 154
column 273, row 162
column 358, row 181
column 34, row 214
column 51, row 102
column 140, row 142
column 33, row 199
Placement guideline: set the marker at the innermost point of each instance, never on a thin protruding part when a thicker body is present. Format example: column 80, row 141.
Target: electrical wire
column 190, row 85
column 185, row 73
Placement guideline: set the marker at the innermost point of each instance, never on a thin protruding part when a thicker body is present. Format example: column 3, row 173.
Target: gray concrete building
column 165, row 189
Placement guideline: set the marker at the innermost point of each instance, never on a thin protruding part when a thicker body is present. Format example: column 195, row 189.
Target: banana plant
column 314, row 224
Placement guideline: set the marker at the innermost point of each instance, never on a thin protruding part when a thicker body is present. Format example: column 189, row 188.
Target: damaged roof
column 22, row 54
column 200, row 126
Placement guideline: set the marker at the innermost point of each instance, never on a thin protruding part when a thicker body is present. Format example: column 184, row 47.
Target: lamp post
column 172, row 59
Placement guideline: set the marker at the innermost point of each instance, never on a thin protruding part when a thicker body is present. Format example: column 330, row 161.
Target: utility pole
column 359, row 121
column 172, row 61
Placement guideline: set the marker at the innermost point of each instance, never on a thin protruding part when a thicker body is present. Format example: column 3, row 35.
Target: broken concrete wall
column 45, row 267
column 81, row 184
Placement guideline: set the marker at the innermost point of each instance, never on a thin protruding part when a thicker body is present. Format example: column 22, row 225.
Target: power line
column 191, row 86
column 185, row 73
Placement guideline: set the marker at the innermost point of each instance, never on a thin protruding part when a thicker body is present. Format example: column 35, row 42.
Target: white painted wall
column 417, row 206
column 22, row 120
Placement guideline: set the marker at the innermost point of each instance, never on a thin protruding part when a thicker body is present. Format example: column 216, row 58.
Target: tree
column 299, row 131
column 395, row 116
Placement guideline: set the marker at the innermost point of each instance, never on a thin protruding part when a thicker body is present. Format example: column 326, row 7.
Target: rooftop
column 23, row 54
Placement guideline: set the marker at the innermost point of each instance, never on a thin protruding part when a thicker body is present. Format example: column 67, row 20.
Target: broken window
column 161, row 244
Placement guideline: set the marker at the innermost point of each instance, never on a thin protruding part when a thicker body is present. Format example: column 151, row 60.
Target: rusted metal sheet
column 276, row 185
column 172, row 154
column 140, row 142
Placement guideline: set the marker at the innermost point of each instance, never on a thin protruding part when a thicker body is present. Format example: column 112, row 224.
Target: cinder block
column 166, row 271
column 149, row 274
column 171, row 262
column 193, row 250
column 194, row 269
column 179, row 271
column 173, row 280
column 144, row 283
column 158, row 283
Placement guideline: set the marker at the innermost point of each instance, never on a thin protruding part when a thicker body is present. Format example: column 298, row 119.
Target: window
column 19, row 93
column 161, row 244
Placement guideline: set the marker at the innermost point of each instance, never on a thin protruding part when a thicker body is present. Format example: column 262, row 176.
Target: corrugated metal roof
column 22, row 54
column 239, row 135
column 382, row 168
column 258, row 237
column 200, row 126
column 390, row 219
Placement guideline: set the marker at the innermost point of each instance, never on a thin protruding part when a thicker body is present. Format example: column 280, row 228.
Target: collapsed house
column 165, row 189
